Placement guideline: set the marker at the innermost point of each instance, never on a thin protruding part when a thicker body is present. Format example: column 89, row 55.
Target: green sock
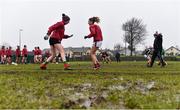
column 45, row 62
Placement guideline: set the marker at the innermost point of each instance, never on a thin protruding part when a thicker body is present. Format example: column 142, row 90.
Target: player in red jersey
column 39, row 55
column 3, row 55
column 9, row 55
column 35, row 51
column 96, row 33
column 18, row 55
column 24, row 54
column 47, row 55
column 105, row 57
column 56, row 34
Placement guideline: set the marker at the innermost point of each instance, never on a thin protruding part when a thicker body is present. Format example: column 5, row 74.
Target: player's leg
column 96, row 47
column 103, row 59
column 7, row 59
column 53, row 54
column 106, row 59
column 17, row 59
column 153, row 58
column 40, row 58
column 35, row 59
column 161, row 59
column 23, row 60
column 92, row 53
column 109, row 60
column 2, row 59
column 60, row 48
column 94, row 58
column 148, row 60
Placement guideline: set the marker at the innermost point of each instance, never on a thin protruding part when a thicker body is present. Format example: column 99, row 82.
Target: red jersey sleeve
column 92, row 31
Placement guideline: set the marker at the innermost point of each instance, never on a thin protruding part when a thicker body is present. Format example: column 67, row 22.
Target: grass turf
column 115, row 85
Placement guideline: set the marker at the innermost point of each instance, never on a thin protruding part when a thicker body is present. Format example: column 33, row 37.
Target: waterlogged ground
column 115, row 86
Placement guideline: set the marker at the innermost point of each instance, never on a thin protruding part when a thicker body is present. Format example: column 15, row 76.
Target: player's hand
column 71, row 35
column 48, row 33
column 46, row 37
column 85, row 37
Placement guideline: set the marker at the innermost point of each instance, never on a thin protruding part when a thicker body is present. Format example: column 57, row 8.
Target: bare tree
column 135, row 33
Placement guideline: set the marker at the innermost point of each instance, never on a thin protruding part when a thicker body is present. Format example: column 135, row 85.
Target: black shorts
column 9, row 56
column 53, row 41
column 18, row 56
column 25, row 55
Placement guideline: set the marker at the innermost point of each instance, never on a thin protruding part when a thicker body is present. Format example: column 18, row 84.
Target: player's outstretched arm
column 67, row 36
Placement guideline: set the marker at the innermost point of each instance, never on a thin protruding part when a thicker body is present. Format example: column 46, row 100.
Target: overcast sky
column 35, row 16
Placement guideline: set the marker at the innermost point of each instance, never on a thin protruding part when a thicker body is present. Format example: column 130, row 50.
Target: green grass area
column 123, row 85
column 177, row 56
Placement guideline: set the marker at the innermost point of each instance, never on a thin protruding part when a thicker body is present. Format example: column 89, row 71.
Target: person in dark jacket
column 157, row 46
column 117, row 56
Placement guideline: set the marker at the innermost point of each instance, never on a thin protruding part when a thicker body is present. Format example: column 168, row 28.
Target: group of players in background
column 38, row 58
column 20, row 55
column 55, row 35
column 7, row 53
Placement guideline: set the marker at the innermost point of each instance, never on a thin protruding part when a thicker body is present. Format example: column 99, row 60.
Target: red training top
column 39, row 52
column 18, row 52
column 35, row 52
column 2, row 52
column 24, row 52
column 57, row 30
column 9, row 52
column 95, row 33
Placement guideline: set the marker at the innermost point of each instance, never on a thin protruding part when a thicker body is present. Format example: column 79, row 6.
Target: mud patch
column 79, row 100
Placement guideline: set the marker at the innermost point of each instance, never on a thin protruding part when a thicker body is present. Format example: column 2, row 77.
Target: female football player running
column 56, row 34
column 95, row 32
